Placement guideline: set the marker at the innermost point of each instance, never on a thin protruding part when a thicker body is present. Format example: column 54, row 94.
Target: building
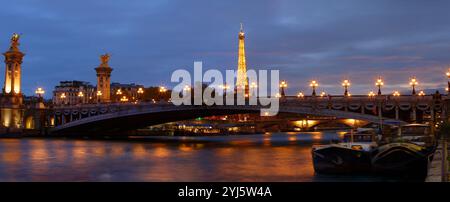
column 242, row 80
column 104, row 80
column 126, row 92
column 74, row 92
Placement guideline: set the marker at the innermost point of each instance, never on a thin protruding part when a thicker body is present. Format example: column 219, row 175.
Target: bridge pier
column 396, row 113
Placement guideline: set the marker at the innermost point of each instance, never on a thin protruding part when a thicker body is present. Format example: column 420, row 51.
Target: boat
column 352, row 155
column 407, row 154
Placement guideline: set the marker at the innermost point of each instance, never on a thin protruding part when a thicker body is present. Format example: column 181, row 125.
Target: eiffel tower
column 242, row 81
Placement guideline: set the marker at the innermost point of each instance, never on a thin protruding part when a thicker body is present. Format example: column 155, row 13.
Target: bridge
column 384, row 109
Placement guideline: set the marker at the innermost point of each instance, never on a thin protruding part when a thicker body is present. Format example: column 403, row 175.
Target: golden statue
column 15, row 41
column 105, row 58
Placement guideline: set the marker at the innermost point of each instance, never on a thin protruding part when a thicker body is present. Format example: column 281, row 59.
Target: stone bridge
column 390, row 110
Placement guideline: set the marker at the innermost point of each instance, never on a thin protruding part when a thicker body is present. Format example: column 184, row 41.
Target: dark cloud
column 324, row 40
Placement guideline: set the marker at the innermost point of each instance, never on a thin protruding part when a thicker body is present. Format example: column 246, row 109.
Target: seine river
column 262, row 157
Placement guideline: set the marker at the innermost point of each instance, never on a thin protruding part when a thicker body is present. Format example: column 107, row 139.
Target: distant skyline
column 323, row 40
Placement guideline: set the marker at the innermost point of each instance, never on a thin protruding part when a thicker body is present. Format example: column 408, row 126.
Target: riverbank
column 435, row 168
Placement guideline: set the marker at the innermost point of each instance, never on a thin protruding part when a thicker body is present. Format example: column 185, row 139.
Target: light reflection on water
column 266, row 157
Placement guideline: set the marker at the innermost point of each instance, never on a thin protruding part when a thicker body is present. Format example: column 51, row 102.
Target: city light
column 39, row 91
column 413, row 83
column 99, row 93
column 119, row 92
column 346, row 84
column 162, row 89
column 314, row 84
column 62, row 96
column 300, row 95
column 322, row 94
column 140, row 91
column 396, row 93
column 379, row 83
column 80, row 94
column 283, row 85
column 124, row 99
column 371, row 94
column 421, row 93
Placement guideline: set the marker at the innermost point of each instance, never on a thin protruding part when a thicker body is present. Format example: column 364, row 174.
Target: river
column 259, row 157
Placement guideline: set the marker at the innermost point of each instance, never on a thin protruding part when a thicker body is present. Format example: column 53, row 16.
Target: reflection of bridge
column 116, row 117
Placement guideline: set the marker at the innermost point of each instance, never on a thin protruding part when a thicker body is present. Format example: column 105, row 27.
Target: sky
column 324, row 40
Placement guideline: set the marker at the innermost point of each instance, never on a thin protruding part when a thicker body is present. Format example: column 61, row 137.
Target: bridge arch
column 141, row 116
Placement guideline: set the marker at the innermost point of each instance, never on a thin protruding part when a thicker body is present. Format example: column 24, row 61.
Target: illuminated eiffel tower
column 242, row 82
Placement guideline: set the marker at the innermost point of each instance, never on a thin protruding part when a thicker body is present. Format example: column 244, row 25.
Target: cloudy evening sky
column 324, row 40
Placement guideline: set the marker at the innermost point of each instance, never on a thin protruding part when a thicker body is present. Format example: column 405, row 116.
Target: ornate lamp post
column 371, row 94
column 39, row 91
column 346, row 84
column 322, row 94
column 413, row 83
column 313, row 84
column 99, row 95
column 162, row 91
column 80, row 96
column 63, row 98
column 448, row 82
column 379, row 83
column 421, row 93
column 140, row 92
column 118, row 94
column 300, row 95
column 283, row 85
column 396, row 94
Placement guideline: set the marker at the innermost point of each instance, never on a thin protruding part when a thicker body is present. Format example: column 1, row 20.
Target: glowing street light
column 277, row 95
column 396, row 94
column 413, row 83
column 379, row 83
column 371, row 94
column 162, row 89
column 124, row 99
column 39, row 91
column 448, row 82
column 99, row 95
column 421, row 93
column 119, row 92
column 80, row 96
column 346, row 84
column 322, row 94
column 314, row 84
column 283, row 85
column 300, row 95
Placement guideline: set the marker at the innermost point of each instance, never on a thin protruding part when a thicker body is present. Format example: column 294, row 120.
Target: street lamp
column 313, row 85
column 140, row 92
column 448, row 82
column 346, row 84
column 81, row 95
column 379, row 83
column 322, row 94
column 300, row 95
column 396, row 94
column 39, row 91
column 63, row 98
column 99, row 95
column 421, row 93
column 413, row 82
column 283, row 85
column 371, row 94
column 124, row 99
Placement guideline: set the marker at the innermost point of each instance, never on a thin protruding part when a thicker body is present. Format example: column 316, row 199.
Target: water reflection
column 265, row 157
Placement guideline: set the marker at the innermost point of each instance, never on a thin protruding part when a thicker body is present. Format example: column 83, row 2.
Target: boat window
column 415, row 130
